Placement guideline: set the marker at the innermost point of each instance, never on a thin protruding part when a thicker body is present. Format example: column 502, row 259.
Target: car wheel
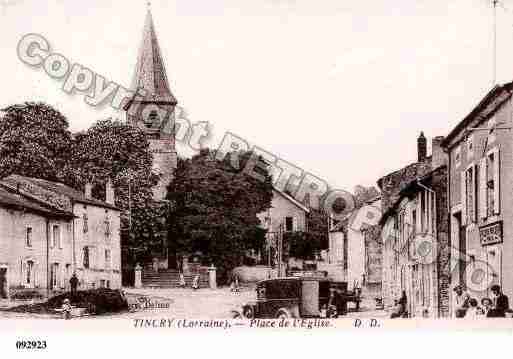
column 283, row 313
column 236, row 315
column 248, row 312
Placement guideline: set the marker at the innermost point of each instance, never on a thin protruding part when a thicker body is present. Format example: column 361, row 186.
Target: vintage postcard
column 278, row 165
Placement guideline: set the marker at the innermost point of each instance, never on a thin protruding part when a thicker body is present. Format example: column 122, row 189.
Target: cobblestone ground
column 187, row 303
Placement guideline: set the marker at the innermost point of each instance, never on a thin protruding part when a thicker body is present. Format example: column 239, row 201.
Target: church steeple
column 153, row 110
column 150, row 72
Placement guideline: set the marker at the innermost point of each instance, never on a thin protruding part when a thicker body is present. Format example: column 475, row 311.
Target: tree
column 34, row 141
column 119, row 152
column 216, row 207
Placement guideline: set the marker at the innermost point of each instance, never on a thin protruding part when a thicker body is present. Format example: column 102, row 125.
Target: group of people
column 464, row 306
column 468, row 307
column 194, row 284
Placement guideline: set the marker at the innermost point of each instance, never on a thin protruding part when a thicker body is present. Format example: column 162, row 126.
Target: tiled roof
column 58, row 188
column 150, row 72
column 14, row 200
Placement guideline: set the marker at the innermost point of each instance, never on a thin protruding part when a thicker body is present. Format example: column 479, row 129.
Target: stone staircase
column 170, row 278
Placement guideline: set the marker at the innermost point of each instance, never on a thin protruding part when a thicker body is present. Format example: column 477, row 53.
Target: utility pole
column 280, row 249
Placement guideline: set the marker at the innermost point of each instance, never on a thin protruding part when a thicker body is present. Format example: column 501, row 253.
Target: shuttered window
column 463, row 195
column 493, row 182
column 483, row 185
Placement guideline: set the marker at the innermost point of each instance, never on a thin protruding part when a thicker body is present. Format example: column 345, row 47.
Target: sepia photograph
column 222, row 166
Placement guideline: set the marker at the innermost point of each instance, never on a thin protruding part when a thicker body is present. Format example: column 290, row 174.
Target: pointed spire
column 150, row 72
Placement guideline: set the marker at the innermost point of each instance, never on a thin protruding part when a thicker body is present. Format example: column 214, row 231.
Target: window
column 492, row 122
column 86, row 257
column 414, row 222
column 422, row 213
column 56, row 236
column 457, row 157
column 470, row 146
column 28, row 237
column 289, row 224
column 107, row 225
column 107, row 258
column 490, row 184
column 85, row 227
column 68, row 271
column 30, row 272
column 151, row 118
column 469, row 192
column 54, row 275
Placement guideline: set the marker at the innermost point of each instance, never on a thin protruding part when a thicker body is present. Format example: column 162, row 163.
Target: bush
column 97, row 301
column 27, row 295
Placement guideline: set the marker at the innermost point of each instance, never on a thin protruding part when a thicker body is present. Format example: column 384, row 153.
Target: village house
column 34, row 238
column 355, row 249
column 481, row 212
column 286, row 215
column 56, row 231
column 415, row 234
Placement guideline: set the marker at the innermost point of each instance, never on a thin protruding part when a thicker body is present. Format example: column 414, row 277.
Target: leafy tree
column 302, row 245
column 113, row 150
column 215, row 208
column 34, row 141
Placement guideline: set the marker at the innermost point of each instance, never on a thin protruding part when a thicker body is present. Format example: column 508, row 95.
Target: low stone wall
column 248, row 274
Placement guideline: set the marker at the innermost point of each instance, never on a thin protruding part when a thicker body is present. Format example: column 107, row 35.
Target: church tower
column 153, row 107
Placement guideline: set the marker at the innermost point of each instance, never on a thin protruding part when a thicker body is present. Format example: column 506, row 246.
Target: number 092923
column 31, row 344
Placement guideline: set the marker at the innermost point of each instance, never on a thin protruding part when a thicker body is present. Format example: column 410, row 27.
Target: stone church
column 153, row 107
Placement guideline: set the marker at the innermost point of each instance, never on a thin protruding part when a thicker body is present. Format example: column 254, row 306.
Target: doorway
column 3, row 283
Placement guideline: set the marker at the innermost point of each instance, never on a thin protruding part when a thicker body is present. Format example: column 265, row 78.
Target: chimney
column 421, row 148
column 88, row 191
column 439, row 157
column 109, row 192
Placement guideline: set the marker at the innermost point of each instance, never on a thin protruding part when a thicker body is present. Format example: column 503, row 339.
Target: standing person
column 181, row 281
column 331, row 310
column 486, row 306
column 73, row 282
column 400, row 309
column 195, row 282
column 473, row 309
column 460, row 302
column 500, row 303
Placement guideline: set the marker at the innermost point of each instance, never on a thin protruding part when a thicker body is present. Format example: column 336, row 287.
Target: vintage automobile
column 292, row 297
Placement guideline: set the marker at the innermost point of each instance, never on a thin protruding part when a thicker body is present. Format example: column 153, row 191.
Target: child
column 473, row 312
column 182, row 280
column 66, row 308
column 486, row 306
column 195, row 282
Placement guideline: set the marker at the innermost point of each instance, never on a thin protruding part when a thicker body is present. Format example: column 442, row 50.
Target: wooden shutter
column 463, row 197
column 475, row 186
column 496, row 182
column 483, row 197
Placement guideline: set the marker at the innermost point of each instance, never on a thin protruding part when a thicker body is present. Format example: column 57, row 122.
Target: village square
column 114, row 222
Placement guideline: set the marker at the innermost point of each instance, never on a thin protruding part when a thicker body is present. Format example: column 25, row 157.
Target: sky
column 339, row 88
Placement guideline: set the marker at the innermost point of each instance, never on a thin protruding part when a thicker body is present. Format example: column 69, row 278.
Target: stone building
column 355, row 249
column 415, row 234
column 56, row 232
column 480, row 152
column 153, row 107
column 34, row 238
column 287, row 213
